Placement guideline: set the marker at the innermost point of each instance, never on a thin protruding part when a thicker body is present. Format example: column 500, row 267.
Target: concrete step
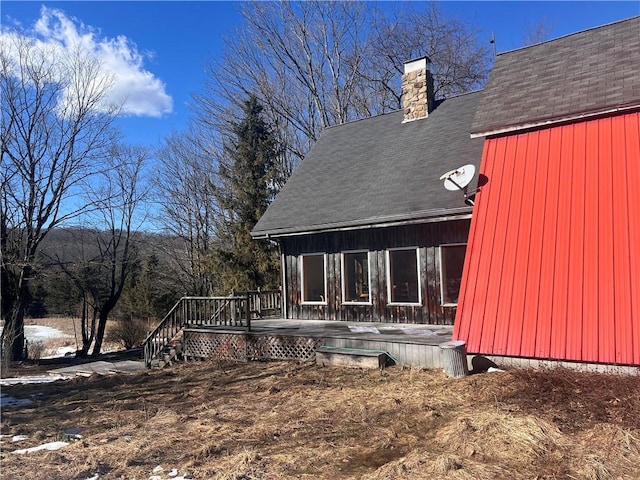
column 352, row 357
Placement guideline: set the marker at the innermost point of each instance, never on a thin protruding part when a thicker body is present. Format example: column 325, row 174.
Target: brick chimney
column 417, row 89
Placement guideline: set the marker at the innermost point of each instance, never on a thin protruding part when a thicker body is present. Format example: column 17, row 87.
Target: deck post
column 259, row 304
column 454, row 358
column 248, row 310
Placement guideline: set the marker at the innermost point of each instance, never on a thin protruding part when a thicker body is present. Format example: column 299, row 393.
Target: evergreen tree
column 247, row 183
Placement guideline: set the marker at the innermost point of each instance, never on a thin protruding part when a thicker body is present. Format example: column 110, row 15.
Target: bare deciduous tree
column 537, row 33
column 118, row 204
column 459, row 63
column 189, row 211
column 100, row 259
column 317, row 64
column 54, row 133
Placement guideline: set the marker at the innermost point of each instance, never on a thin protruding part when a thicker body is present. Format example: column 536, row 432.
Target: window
column 404, row 283
column 314, row 278
column 355, row 277
column 451, row 262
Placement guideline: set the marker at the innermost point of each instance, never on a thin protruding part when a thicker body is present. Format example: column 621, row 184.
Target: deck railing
column 235, row 312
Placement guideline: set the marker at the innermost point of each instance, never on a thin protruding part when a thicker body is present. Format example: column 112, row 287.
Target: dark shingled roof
column 585, row 73
column 378, row 171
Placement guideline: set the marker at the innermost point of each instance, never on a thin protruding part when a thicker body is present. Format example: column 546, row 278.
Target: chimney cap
column 416, row 64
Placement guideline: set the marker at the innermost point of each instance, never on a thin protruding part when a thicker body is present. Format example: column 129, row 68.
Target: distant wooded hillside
column 70, row 260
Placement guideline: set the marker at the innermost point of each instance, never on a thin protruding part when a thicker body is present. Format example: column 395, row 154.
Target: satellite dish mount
column 459, row 179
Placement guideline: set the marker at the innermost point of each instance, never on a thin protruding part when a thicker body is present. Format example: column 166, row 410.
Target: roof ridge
column 400, row 110
column 635, row 17
column 355, row 120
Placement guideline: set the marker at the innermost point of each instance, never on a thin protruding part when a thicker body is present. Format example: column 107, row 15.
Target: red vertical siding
column 623, row 336
column 590, row 259
column 508, row 268
column 532, row 320
column 468, row 328
column 523, row 169
column 553, row 260
column 607, row 277
column 550, row 260
column 632, row 153
column 564, row 201
column 494, row 235
column 576, row 234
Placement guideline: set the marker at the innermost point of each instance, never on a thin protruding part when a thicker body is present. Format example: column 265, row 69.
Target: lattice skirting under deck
column 244, row 347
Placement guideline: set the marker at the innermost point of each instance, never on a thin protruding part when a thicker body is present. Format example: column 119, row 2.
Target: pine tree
column 246, row 189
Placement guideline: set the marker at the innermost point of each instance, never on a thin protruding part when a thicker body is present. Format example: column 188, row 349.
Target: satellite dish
column 459, row 179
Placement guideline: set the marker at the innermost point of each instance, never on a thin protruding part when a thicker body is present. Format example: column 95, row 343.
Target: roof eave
column 553, row 121
column 391, row 221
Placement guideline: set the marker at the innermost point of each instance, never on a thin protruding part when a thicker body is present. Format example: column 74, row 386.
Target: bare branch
column 317, row 64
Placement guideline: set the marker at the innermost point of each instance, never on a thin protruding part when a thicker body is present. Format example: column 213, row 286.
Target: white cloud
column 139, row 91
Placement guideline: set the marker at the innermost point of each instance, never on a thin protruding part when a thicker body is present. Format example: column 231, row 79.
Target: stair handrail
column 150, row 346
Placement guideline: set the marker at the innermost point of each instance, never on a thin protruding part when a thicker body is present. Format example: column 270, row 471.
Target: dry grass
column 288, row 420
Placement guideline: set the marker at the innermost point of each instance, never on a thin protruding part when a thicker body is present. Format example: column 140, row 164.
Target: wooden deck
column 406, row 344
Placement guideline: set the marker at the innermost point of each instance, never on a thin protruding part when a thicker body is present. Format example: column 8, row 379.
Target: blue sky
column 160, row 47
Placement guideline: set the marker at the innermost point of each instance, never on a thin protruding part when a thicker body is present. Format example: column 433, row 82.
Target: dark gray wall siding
column 426, row 237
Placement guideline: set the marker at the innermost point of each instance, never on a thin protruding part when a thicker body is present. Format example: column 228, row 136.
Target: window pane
column 403, row 272
column 313, row 278
column 452, row 262
column 356, row 277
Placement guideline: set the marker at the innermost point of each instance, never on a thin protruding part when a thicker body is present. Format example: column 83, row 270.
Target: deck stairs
column 171, row 352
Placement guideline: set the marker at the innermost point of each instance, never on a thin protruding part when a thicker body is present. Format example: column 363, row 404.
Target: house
column 552, row 270
column 366, row 229
column 546, row 269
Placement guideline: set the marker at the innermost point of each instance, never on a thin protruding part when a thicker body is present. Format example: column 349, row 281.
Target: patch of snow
column 174, row 477
column 419, row 332
column 40, row 333
column 19, row 438
column 173, row 474
column 29, row 380
column 358, row 329
column 494, row 370
column 44, row 446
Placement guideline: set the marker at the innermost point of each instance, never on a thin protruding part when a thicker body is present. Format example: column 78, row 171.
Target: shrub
column 35, row 350
column 129, row 333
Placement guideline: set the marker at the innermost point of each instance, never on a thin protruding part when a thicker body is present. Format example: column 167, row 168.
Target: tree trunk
column 88, row 331
column 13, row 332
column 17, row 347
column 102, row 325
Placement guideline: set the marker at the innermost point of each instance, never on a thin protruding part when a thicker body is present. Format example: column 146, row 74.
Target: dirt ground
column 212, row 420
